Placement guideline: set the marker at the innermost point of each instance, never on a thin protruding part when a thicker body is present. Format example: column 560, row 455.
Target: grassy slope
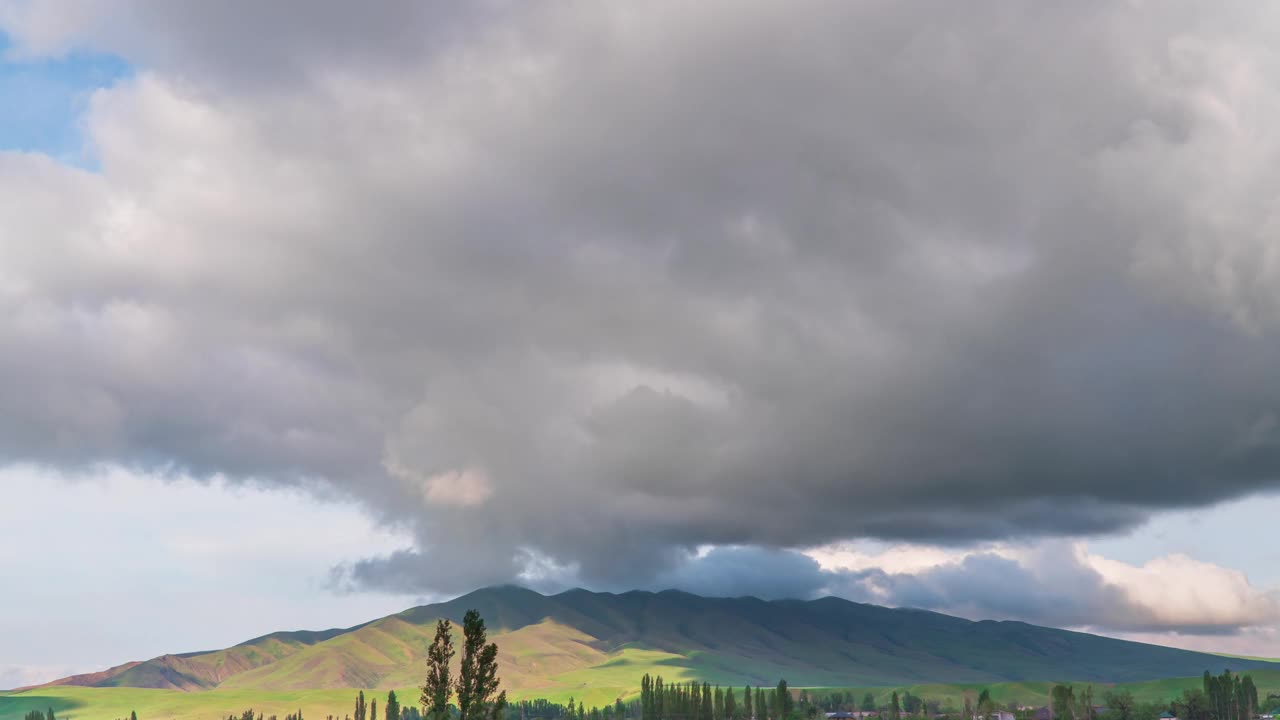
column 1249, row 657
column 391, row 653
column 206, row 670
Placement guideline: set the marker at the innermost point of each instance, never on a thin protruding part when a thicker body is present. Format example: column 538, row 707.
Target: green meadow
column 597, row 686
column 83, row 703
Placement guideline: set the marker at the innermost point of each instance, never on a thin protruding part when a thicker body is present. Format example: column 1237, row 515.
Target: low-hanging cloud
column 1063, row 584
column 603, row 283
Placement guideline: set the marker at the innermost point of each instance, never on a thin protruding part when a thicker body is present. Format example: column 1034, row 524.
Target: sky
column 972, row 307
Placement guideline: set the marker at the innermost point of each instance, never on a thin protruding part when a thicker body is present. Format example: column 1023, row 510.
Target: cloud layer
column 1061, row 584
column 596, row 284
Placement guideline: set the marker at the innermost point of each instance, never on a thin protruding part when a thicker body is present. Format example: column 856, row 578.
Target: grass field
column 596, row 686
column 81, row 703
column 1249, row 657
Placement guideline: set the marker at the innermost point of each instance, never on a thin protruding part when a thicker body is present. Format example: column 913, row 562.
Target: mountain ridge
column 584, row 639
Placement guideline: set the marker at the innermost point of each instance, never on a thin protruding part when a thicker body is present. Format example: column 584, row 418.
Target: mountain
column 580, row 640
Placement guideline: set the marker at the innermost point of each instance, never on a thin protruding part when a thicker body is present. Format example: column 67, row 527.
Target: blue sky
column 45, row 99
column 1238, row 533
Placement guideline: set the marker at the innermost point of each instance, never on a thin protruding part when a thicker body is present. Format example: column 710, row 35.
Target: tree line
column 249, row 715
column 661, row 700
column 1223, row 697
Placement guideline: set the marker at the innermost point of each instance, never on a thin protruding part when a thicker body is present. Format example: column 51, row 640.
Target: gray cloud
column 736, row 571
column 603, row 283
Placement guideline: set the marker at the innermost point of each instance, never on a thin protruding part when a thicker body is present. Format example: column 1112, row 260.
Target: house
column 1001, row 715
column 1166, row 715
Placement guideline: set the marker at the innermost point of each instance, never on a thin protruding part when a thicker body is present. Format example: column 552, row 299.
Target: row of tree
column 1231, row 697
column 249, row 715
column 660, row 700
column 840, row 701
column 393, row 710
column 1222, row 697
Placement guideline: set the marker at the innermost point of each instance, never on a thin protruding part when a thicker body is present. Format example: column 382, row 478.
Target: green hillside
column 595, row 646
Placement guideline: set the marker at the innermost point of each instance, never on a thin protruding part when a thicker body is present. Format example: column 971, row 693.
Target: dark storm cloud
column 603, row 283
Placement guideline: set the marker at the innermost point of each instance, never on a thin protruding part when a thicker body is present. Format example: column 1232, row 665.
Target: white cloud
column 1180, row 591
column 16, row 676
column 897, row 558
column 1061, row 584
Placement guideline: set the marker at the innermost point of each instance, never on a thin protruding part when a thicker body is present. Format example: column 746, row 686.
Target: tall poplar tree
column 393, row 706
column 646, row 701
column 730, row 705
column 895, row 709
column 439, row 686
column 361, row 708
column 1250, row 691
column 478, row 673
column 747, row 711
column 1064, row 702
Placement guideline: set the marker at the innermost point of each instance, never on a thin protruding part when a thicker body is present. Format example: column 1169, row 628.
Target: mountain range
column 587, row 641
